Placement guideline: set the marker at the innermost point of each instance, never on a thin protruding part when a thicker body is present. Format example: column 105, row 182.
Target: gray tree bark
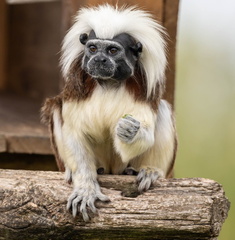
column 33, row 206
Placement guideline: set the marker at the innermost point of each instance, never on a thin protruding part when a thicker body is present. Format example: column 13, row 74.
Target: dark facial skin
column 113, row 59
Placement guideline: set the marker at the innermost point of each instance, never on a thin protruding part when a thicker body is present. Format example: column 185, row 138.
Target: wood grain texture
column 32, row 206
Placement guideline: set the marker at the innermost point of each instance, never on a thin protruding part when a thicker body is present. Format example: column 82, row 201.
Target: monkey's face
column 110, row 59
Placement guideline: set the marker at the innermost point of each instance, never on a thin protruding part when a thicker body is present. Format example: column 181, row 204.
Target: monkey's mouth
column 100, row 71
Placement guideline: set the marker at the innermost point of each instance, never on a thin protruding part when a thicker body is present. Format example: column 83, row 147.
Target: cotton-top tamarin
column 110, row 116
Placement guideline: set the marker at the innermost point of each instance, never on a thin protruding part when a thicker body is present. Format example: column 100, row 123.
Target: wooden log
column 33, row 206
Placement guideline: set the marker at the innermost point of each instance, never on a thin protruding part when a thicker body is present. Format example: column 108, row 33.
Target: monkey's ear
column 137, row 48
column 83, row 38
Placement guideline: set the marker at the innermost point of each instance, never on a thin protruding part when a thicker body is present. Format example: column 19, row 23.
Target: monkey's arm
column 149, row 146
column 133, row 137
column 80, row 160
column 72, row 154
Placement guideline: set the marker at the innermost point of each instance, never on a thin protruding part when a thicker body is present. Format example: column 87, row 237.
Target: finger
column 91, row 205
column 83, row 210
column 70, row 200
column 103, row 197
column 75, row 205
column 141, row 175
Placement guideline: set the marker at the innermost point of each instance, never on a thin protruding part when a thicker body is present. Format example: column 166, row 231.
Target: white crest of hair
column 107, row 22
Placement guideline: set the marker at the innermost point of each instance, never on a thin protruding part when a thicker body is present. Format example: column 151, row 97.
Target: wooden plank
column 28, row 144
column 170, row 19
column 21, row 127
column 3, row 43
column 33, row 206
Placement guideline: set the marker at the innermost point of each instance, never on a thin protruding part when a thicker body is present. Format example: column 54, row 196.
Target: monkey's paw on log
column 146, row 177
column 84, row 198
column 33, row 206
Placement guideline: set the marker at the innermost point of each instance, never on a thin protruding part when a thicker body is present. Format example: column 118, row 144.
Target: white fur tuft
column 108, row 21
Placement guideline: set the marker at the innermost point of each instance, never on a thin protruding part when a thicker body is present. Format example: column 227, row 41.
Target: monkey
column 110, row 117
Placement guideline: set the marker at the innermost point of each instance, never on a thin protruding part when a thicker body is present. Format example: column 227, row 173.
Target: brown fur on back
column 48, row 108
column 47, row 118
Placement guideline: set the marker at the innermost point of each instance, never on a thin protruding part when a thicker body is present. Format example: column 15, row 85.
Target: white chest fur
column 98, row 115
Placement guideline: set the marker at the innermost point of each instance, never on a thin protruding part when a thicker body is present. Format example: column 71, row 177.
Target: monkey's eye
column 93, row 49
column 113, row 50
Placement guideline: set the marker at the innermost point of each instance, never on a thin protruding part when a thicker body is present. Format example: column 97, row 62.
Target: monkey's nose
column 100, row 59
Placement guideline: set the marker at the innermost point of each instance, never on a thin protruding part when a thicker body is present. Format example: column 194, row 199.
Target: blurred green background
column 205, row 96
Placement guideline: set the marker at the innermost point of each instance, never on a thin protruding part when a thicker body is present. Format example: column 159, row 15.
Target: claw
column 83, row 210
column 103, row 197
column 74, row 210
column 75, row 203
column 70, row 200
column 91, row 205
column 146, row 177
column 86, row 199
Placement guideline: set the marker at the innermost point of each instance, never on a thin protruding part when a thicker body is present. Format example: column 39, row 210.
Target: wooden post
column 3, row 43
column 33, row 206
column 170, row 19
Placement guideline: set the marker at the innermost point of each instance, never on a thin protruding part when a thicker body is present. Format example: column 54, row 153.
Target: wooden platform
column 20, row 127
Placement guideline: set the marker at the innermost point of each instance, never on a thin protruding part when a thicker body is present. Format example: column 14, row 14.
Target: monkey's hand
column 127, row 128
column 132, row 137
column 147, row 176
column 83, row 198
